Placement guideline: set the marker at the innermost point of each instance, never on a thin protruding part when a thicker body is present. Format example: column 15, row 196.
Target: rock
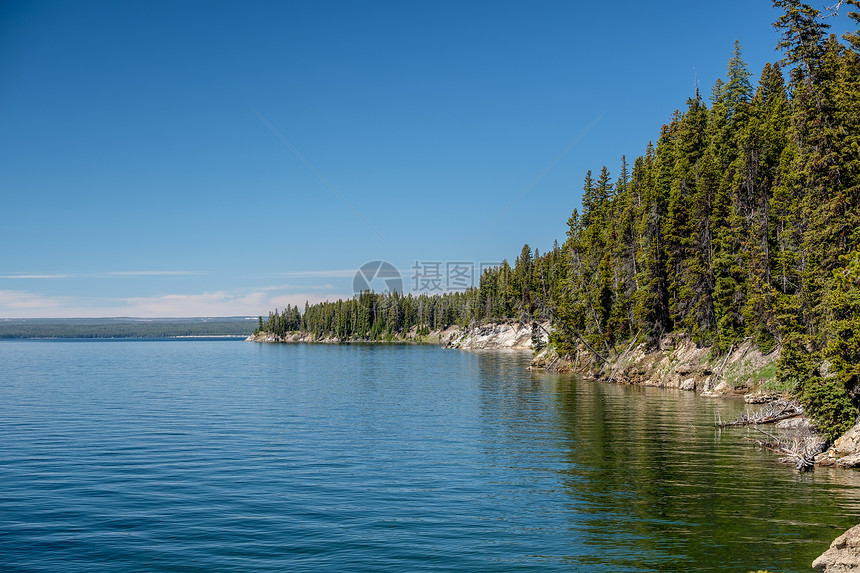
column 843, row 555
column 848, row 443
column 688, row 384
column 849, row 461
column 845, row 452
column 762, row 397
column 496, row 335
column 795, row 423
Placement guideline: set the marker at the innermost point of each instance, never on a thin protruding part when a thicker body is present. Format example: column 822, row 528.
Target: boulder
column 848, row 443
column 843, row 555
column 845, row 452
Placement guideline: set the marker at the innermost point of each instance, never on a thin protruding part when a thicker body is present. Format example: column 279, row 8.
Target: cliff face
column 411, row 337
column 511, row 336
column 676, row 363
column 495, row 335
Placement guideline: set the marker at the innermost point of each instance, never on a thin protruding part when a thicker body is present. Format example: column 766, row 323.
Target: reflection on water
column 651, row 484
column 215, row 456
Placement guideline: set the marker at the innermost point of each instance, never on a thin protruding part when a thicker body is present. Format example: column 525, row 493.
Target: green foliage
column 843, row 324
column 537, row 338
column 740, row 221
column 826, row 401
column 766, row 380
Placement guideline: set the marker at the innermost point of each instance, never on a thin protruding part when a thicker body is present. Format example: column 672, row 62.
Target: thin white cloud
column 22, row 304
column 327, row 286
column 106, row 274
column 148, row 273
column 218, row 303
column 340, row 273
column 17, row 304
column 35, row 276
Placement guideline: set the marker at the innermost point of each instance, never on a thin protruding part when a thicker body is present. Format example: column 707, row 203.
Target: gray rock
column 848, row 443
column 845, row 452
column 843, row 555
column 795, row 423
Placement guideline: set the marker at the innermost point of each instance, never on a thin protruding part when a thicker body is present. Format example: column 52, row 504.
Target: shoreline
column 745, row 372
column 494, row 335
column 677, row 362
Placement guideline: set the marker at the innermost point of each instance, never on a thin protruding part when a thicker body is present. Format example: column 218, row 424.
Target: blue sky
column 145, row 159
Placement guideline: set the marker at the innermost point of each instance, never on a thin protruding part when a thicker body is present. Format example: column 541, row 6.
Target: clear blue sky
column 137, row 177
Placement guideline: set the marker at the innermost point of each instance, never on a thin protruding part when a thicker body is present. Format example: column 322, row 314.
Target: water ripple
column 217, row 456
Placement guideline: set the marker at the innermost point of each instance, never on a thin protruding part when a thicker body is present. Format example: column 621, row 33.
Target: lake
column 166, row 455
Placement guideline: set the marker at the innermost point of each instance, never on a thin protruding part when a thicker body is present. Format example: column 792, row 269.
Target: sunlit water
column 233, row 456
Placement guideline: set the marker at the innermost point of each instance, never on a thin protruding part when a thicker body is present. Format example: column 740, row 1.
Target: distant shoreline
column 124, row 327
column 236, row 337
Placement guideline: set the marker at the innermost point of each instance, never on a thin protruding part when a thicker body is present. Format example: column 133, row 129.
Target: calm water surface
column 232, row 456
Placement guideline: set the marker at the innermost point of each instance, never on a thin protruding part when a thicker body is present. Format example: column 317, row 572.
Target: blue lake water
column 233, row 456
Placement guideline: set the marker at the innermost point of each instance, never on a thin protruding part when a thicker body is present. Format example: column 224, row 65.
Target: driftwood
column 799, row 448
column 773, row 412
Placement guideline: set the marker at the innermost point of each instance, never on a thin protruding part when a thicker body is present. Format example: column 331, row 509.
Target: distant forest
column 741, row 222
column 124, row 327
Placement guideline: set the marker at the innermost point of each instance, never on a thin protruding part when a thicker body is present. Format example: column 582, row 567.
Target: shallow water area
column 219, row 455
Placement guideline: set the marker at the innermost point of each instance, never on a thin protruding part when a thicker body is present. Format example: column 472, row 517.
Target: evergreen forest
column 741, row 220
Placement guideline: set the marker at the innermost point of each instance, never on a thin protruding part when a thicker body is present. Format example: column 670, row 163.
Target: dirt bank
column 677, row 362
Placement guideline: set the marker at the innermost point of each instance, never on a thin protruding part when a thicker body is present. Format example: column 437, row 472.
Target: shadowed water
column 228, row 456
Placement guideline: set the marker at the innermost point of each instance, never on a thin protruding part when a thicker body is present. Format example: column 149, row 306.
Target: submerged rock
column 843, row 555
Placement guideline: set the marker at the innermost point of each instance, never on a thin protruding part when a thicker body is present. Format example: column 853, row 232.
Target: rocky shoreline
column 676, row 362
column 502, row 335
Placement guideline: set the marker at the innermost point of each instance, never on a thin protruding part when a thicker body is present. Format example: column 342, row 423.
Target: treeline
column 742, row 221
column 375, row 316
column 505, row 293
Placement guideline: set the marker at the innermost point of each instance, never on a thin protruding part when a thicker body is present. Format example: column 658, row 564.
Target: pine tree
column 651, row 300
column 589, row 199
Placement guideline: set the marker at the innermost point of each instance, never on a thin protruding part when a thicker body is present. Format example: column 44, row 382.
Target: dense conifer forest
column 740, row 221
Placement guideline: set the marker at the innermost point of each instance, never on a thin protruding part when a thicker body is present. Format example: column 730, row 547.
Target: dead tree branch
column 772, row 412
column 799, row 448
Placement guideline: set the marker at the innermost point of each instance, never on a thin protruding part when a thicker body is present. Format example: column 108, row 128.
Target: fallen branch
column 773, row 412
column 802, row 450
